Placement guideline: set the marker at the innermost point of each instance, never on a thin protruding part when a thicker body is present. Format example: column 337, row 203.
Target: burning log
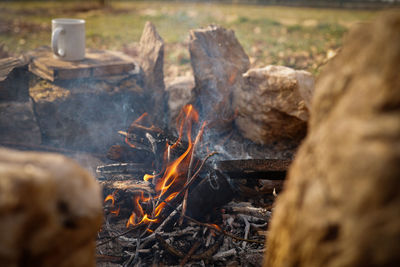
column 218, row 191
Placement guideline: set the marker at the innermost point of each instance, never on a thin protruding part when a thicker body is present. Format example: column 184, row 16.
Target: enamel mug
column 68, row 39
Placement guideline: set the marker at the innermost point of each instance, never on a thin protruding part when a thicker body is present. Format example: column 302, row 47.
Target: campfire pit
column 173, row 209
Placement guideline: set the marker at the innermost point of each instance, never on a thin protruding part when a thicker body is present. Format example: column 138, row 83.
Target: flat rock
column 341, row 203
column 151, row 60
column 51, row 210
column 218, row 61
column 18, row 123
column 273, row 104
column 87, row 114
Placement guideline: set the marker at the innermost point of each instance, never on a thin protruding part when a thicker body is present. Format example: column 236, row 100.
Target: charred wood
column 128, row 154
column 217, row 190
column 271, row 169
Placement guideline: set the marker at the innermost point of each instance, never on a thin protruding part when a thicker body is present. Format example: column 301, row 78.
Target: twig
column 246, row 230
column 189, row 173
column 160, row 228
column 219, row 229
column 190, row 253
column 192, row 179
column 116, row 236
column 169, row 248
column 224, row 254
column 133, row 258
column 242, row 239
column 204, row 255
column 141, row 127
column 209, row 252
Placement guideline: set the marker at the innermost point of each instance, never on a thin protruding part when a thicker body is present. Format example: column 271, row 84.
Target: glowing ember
column 116, row 212
column 214, row 226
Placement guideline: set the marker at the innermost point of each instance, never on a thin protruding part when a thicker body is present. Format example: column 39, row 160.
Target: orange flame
column 174, row 174
column 147, row 177
column 214, row 226
column 131, row 220
column 111, row 197
column 116, row 212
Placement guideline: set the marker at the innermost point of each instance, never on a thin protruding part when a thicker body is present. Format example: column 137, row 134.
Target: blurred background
column 301, row 34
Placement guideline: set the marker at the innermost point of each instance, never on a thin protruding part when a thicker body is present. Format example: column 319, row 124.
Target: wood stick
column 246, row 230
column 195, row 246
column 209, row 252
column 211, row 226
column 224, row 254
column 172, row 250
column 147, row 129
column 116, row 236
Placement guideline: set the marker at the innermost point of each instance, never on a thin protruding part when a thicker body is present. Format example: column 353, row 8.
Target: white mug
column 68, row 39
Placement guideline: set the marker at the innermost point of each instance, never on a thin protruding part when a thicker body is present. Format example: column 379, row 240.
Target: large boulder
column 50, row 211
column 87, row 114
column 218, row 61
column 341, row 202
column 273, row 104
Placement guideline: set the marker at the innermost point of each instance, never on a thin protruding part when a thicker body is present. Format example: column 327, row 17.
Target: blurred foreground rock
column 218, row 61
column 341, row 203
column 51, row 210
column 273, row 104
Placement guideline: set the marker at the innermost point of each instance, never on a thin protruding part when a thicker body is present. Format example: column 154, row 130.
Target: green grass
column 295, row 37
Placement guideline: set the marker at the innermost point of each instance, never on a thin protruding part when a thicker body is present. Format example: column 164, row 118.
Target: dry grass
column 297, row 37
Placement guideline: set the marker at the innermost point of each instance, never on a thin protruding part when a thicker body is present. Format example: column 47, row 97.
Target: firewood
column 271, row 169
column 123, row 168
column 190, row 253
column 128, row 154
column 246, row 208
column 218, row 191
